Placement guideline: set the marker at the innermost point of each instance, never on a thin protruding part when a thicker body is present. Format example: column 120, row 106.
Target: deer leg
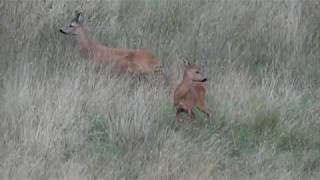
column 178, row 117
column 205, row 111
column 159, row 76
column 118, row 69
column 202, row 107
column 191, row 114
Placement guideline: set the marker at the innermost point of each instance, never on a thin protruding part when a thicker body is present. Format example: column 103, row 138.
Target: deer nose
column 204, row 80
column 61, row 30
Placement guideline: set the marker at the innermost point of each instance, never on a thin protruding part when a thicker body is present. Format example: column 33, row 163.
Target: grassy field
column 59, row 119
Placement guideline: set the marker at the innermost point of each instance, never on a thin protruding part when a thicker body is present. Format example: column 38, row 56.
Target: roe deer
column 190, row 93
column 124, row 60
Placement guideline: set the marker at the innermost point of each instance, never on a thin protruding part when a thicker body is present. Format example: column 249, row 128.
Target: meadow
column 60, row 119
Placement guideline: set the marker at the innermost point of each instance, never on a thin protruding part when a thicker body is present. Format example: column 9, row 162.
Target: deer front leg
column 203, row 109
column 178, row 118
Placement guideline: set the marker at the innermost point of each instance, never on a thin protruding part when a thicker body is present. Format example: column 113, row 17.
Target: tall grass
column 60, row 119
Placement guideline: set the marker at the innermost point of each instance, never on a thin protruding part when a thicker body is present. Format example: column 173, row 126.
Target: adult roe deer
column 123, row 60
column 190, row 93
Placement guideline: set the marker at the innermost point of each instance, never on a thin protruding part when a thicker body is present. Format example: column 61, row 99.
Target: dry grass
column 62, row 120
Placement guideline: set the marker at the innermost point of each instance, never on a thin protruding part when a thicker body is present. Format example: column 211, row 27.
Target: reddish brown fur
column 124, row 60
column 190, row 93
column 132, row 60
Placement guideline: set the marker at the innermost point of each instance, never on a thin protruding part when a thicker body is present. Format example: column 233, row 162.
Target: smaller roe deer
column 190, row 93
column 123, row 60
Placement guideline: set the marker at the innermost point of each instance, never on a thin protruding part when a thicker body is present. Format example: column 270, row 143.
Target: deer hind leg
column 191, row 114
column 157, row 78
column 179, row 117
column 159, row 75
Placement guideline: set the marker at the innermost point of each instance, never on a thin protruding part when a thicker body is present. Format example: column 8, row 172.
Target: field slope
column 59, row 119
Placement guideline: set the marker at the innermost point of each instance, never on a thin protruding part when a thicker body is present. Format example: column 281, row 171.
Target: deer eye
column 197, row 72
column 73, row 24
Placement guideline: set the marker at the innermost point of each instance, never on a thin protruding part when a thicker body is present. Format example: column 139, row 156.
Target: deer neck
column 84, row 41
column 187, row 81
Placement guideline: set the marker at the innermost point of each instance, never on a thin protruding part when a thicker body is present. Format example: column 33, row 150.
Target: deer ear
column 186, row 63
column 79, row 17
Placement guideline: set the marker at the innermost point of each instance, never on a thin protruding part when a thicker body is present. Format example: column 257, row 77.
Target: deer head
column 75, row 26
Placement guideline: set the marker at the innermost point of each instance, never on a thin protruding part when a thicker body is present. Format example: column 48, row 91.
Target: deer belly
column 189, row 102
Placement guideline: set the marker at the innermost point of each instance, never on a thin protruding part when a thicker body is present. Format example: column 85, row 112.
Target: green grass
column 62, row 120
column 99, row 136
